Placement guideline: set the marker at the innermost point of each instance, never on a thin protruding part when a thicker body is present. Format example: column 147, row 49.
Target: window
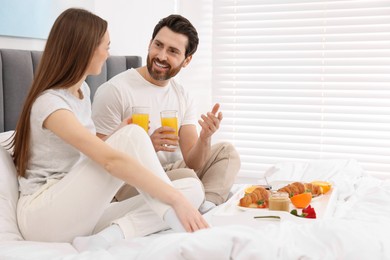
column 303, row 79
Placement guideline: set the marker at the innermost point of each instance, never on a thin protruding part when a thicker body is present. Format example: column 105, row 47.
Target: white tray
column 231, row 213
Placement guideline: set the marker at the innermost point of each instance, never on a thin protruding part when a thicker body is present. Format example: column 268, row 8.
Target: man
column 173, row 43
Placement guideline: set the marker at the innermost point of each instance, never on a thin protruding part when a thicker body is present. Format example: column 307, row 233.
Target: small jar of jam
column 279, row 201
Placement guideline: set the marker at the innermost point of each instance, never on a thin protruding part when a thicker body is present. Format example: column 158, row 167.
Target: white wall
column 7, row 42
column 197, row 76
column 131, row 25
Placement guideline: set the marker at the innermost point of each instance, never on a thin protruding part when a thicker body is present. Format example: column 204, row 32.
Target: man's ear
column 187, row 61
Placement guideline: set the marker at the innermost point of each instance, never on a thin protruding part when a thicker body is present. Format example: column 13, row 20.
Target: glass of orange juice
column 169, row 118
column 140, row 116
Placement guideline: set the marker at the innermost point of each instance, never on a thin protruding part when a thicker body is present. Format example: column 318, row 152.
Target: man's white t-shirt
column 114, row 100
column 50, row 156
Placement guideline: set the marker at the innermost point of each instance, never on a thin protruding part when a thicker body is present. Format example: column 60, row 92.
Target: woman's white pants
column 80, row 203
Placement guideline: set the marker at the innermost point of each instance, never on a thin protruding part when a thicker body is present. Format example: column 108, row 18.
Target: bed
column 353, row 225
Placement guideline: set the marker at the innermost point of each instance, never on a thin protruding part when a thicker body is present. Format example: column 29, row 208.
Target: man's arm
column 107, row 110
column 196, row 149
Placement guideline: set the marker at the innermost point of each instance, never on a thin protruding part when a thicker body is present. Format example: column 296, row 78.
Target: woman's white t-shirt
column 50, row 157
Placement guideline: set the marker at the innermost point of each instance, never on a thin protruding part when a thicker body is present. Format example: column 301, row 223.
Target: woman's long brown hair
column 75, row 35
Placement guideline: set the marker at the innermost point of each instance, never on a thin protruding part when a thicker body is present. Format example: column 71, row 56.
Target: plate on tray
column 231, row 213
column 320, row 203
column 247, row 208
column 314, row 199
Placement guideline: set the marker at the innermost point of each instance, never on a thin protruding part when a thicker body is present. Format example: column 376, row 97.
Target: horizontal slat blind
column 303, row 79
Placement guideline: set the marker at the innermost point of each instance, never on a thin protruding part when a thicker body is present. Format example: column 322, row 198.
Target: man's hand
column 210, row 122
column 164, row 139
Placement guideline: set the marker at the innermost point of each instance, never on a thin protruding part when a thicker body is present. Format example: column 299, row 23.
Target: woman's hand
column 189, row 216
column 125, row 122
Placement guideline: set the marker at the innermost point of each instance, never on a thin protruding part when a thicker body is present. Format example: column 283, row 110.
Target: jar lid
column 278, row 194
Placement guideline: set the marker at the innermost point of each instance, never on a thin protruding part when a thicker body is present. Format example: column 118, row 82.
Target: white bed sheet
column 358, row 228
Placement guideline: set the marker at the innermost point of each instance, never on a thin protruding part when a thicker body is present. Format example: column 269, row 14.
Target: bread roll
column 296, row 188
column 258, row 198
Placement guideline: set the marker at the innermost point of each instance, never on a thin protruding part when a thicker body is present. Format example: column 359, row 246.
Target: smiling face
column 166, row 56
column 100, row 56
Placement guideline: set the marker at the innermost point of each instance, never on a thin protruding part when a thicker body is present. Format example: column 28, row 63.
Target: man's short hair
column 182, row 25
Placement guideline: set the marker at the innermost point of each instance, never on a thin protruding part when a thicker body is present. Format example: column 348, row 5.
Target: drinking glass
column 169, row 118
column 140, row 117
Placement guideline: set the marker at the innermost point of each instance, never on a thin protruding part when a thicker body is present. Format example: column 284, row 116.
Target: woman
column 67, row 175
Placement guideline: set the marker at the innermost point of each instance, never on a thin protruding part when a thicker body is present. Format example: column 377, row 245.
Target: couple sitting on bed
column 68, row 176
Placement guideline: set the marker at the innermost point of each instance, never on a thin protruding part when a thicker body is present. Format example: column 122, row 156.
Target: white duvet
column 357, row 228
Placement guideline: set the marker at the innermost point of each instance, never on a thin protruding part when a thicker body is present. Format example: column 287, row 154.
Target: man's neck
column 143, row 71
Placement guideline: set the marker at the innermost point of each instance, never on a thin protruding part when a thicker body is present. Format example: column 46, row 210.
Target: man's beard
column 160, row 75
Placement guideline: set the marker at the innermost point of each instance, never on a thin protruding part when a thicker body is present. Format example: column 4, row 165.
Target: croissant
column 258, row 198
column 299, row 187
column 313, row 188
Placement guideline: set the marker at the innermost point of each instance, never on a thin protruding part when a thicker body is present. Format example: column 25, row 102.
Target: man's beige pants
column 217, row 175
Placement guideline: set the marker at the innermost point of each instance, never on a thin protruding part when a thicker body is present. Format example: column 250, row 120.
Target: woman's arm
column 65, row 125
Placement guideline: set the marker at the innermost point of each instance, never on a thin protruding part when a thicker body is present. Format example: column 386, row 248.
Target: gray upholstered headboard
column 17, row 68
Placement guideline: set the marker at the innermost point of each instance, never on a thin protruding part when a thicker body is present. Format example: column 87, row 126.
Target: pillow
column 9, row 195
column 5, row 136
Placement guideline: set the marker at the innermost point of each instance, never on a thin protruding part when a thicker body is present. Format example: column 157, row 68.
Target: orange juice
column 142, row 120
column 169, row 118
column 171, row 122
column 140, row 117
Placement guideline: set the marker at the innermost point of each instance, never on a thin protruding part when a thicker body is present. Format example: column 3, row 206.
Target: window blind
column 303, row 80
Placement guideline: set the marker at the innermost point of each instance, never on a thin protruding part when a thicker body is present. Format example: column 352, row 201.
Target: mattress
column 355, row 228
